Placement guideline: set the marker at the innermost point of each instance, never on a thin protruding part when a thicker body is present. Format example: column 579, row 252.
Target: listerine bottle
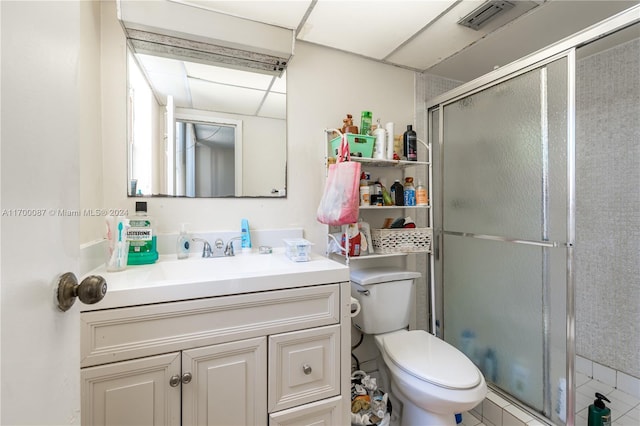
column 142, row 241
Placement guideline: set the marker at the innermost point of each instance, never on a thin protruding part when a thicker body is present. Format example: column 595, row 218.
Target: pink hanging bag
column 340, row 201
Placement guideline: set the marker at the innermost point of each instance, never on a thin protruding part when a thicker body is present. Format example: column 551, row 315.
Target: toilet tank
column 385, row 298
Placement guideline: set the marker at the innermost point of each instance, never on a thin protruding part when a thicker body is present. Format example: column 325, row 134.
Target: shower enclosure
column 505, row 223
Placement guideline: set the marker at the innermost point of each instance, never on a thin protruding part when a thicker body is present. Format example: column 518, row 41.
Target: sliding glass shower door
column 503, row 230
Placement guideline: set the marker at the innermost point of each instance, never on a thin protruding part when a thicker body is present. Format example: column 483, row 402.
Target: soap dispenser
column 182, row 246
column 599, row 414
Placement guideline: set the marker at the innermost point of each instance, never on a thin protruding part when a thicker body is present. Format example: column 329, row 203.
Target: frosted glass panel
column 503, row 159
column 493, row 303
column 493, row 157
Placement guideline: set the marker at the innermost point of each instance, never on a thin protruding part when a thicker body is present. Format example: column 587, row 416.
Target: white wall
column 323, row 86
column 89, row 75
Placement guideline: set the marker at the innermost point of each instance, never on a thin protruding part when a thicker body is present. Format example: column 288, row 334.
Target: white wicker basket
column 404, row 240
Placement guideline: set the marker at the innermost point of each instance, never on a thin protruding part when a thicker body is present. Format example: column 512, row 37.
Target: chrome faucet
column 228, row 251
column 208, row 251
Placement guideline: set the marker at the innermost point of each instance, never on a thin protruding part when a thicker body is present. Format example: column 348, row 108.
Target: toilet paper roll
column 355, row 307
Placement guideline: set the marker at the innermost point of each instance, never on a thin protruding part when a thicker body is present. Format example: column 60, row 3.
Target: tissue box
column 298, row 249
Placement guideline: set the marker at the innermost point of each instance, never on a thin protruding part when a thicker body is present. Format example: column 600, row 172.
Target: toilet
column 431, row 378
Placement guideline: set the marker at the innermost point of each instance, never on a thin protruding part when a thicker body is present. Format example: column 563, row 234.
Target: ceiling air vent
column 485, row 13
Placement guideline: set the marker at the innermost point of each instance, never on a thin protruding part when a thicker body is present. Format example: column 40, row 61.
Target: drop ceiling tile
column 222, row 98
column 228, row 76
column 274, row 106
column 287, row 14
column 446, row 37
column 160, row 64
column 372, row 28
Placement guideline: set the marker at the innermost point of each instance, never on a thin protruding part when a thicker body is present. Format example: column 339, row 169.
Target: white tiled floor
column 625, row 408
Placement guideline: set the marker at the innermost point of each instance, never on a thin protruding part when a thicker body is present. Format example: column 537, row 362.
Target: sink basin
column 170, row 279
column 197, row 268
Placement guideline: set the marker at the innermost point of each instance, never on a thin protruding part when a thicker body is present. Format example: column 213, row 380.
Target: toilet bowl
column 431, row 378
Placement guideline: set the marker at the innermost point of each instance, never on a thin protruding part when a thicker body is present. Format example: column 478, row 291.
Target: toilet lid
column 431, row 359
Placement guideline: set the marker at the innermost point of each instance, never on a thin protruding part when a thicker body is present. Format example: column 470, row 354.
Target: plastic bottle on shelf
column 365, row 122
column 380, row 146
column 409, row 192
column 364, row 191
column 347, row 126
column 410, row 141
column 377, row 200
column 421, row 195
column 397, row 193
column 386, row 197
column 389, row 128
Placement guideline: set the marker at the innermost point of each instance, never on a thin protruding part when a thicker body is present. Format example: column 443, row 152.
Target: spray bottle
column 599, row 414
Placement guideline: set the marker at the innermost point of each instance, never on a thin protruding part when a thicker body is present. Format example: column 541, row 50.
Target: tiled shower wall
column 608, row 208
column 427, row 87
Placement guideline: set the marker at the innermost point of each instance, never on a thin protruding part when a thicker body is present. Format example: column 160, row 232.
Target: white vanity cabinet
column 276, row 357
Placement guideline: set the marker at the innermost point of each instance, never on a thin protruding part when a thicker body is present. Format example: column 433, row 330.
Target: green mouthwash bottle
column 142, row 241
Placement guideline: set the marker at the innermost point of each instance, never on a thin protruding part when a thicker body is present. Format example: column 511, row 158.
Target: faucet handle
column 229, row 251
column 206, row 247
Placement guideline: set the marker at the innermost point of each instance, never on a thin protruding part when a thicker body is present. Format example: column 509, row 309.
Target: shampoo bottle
column 182, row 246
column 410, row 141
column 142, row 241
column 599, row 414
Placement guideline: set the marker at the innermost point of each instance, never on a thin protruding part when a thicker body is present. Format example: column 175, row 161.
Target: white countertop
column 170, row 279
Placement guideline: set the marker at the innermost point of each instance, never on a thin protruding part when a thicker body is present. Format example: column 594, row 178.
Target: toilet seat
column 431, row 359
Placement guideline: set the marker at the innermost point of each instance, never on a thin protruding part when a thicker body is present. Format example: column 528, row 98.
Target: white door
column 40, row 113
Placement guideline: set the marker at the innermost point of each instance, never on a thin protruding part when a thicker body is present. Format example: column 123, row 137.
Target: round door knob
column 186, row 378
column 174, row 381
column 306, row 369
column 91, row 290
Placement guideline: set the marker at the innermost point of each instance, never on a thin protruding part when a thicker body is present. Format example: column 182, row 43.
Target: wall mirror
column 199, row 130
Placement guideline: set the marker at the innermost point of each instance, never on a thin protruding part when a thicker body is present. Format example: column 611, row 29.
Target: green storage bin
column 359, row 145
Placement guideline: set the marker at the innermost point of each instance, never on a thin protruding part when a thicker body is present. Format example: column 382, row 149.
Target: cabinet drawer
column 304, row 366
column 127, row 333
column 327, row 412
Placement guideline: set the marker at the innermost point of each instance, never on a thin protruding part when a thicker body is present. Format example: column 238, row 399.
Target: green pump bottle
column 599, row 414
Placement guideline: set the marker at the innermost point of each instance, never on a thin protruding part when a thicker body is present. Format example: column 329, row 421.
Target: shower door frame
column 563, row 49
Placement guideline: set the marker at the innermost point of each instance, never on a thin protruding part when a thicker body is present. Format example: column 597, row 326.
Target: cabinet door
column 132, row 393
column 327, row 412
column 228, row 384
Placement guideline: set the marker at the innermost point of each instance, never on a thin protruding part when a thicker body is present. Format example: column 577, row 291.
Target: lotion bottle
column 421, row 195
column 380, row 145
column 599, row 414
column 182, row 245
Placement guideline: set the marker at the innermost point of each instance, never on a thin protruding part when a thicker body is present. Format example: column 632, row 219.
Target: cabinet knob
column 174, row 381
column 306, row 369
column 186, row 378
